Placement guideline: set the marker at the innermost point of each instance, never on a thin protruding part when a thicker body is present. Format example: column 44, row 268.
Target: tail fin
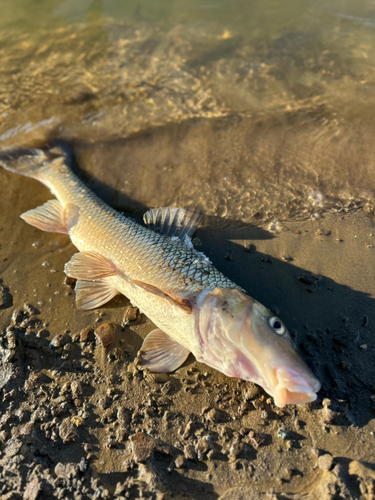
column 26, row 161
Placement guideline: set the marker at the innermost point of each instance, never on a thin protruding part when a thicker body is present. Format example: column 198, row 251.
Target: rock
column 6, row 372
column 105, row 334
column 83, row 465
column 181, row 462
column 86, row 335
column 256, row 439
column 68, row 431
column 282, row 433
column 59, row 341
column 202, row 447
column 131, row 314
column 4, row 436
column 366, row 477
column 332, row 412
column 235, row 450
column 325, row 461
column 105, row 402
column 13, row 448
column 76, row 389
column 361, row 470
column 70, row 282
column 287, row 258
column 252, row 391
column 189, row 452
column 167, row 388
column 142, row 446
column 308, row 279
column 121, row 434
column 66, row 471
column 77, row 421
column 32, row 490
column 217, row 416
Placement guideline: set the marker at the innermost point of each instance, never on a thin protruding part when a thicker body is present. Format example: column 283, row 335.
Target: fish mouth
column 293, row 388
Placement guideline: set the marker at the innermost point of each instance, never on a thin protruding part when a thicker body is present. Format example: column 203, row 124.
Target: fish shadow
column 314, row 308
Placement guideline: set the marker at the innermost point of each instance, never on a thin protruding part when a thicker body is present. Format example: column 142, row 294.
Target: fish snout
column 294, row 388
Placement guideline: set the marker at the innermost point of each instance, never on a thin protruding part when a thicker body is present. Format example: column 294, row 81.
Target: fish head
column 242, row 338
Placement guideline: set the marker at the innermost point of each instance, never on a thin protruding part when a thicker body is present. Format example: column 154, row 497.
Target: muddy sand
column 79, row 421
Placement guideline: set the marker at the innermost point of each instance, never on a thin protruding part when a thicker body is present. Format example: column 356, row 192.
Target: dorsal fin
column 172, row 221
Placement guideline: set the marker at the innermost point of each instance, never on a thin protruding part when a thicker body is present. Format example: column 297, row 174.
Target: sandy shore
column 77, row 418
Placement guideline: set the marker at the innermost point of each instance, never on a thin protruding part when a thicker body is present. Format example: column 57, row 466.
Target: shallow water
column 261, row 113
column 252, row 110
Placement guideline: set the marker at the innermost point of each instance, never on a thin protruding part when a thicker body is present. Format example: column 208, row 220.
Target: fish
column 195, row 308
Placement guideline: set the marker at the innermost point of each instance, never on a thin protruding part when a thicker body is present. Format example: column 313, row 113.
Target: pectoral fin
column 50, row 217
column 89, row 266
column 174, row 301
column 93, row 294
column 159, row 353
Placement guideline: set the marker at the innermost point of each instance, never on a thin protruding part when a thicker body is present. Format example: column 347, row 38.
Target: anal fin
column 89, row 266
column 93, row 294
column 49, row 217
column 160, row 353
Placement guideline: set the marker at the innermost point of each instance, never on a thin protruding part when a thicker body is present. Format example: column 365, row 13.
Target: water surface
column 252, row 110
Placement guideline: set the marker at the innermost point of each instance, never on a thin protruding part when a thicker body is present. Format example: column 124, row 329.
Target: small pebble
column 67, row 431
column 105, row 334
column 131, row 314
column 142, row 446
column 181, row 462
column 282, row 433
column 86, row 335
column 325, row 462
column 70, row 282
column 189, row 452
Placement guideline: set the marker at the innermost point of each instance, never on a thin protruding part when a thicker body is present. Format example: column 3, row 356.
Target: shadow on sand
column 335, row 349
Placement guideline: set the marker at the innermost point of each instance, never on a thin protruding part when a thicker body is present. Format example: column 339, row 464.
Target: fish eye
column 277, row 325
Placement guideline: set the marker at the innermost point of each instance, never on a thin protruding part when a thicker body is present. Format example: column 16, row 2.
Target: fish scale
column 142, row 254
column 195, row 307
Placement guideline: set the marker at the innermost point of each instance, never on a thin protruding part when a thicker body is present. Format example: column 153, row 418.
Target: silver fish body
column 195, row 307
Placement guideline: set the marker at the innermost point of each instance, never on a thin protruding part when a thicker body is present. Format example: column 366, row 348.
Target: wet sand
column 74, row 410
column 264, row 140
